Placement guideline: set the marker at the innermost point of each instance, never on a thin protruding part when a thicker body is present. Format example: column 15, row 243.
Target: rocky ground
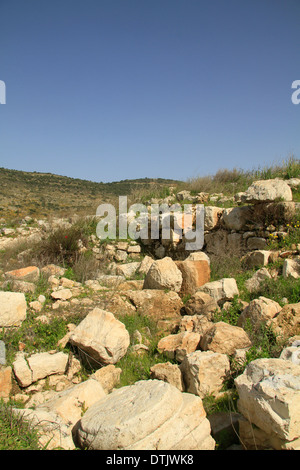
column 70, row 339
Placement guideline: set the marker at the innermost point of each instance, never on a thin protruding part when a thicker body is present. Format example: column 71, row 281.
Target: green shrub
column 62, row 246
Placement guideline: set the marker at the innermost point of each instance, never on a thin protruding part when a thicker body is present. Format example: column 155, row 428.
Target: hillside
column 45, row 194
column 209, row 337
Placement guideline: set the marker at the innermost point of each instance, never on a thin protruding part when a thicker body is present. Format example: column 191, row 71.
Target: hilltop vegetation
column 45, row 194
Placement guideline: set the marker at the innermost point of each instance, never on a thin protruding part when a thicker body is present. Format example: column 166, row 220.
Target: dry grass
column 230, row 182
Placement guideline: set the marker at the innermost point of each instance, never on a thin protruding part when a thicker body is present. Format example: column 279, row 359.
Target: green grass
column 277, row 289
column 35, row 335
column 137, row 366
column 231, row 314
column 15, row 432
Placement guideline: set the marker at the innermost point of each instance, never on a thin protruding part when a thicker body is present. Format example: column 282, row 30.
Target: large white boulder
column 163, row 274
column 268, row 191
column 221, row 291
column 259, row 311
column 102, row 337
column 29, row 369
column 269, row 397
column 149, row 415
column 204, row 372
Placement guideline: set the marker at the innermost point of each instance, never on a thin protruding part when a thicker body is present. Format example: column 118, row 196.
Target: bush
column 62, row 246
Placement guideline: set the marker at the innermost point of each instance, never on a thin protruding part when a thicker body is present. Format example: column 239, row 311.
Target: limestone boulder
column 108, row 376
column 201, row 303
column 204, row 372
column 53, row 432
column 259, row 311
column 5, row 381
column 257, row 279
column 46, row 363
column 256, row 258
column 254, row 438
column 19, row 286
column 194, row 275
column 149, row 415
column 212, row 217
column 177, row 346
column 256, row 243
column 291, row 268
column 195, row 323
column 145, row 265
column 102, row 337
column 268, row 191
column 53, row 270
column 224, row 339
column 287, row 323
column 127, row 270
column 29, row 274
column 169, row 373
column 292, row 353
column 269, row 396
column 198, row 256
column 164, row 274
column 70, row 403
column 13, row 309
column 237, row 218
column 29, row 369
column 157, row 304
column 62, row 294
column 221, row 291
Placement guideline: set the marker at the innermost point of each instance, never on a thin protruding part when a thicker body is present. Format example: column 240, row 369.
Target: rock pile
column 165, row 412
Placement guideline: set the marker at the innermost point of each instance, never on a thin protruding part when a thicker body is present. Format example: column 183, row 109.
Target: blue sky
column 107, row 90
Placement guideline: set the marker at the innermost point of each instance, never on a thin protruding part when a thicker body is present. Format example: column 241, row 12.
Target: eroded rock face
column 149, row 415
column 269, row 395
column 101, row 336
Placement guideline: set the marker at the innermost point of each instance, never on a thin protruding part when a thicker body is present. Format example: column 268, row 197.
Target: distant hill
column 43, row 194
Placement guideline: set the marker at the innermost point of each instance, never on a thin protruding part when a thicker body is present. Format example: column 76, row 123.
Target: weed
column 231, row 314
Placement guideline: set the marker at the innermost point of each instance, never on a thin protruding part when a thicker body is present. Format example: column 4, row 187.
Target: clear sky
column 107, row 90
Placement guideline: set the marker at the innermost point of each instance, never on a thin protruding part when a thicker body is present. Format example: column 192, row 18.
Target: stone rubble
column 165, row 412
